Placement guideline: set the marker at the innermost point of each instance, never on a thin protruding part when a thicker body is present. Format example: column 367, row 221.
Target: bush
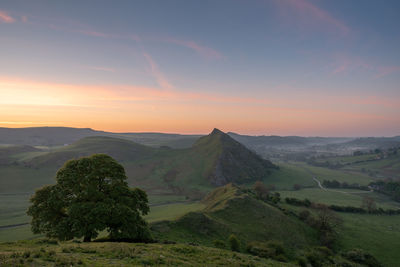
column 219, row 244
column 362, row 257
column 304, row 214
column 271, row 249
column 234, row 243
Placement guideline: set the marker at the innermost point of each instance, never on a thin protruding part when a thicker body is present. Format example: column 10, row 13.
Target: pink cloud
column 345, row 64
column 6, row 18
column 311, row 16
column 386, row 70
column 202, row 50
column 155, row 71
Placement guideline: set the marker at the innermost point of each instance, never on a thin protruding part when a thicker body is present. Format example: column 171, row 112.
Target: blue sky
column 301, row 67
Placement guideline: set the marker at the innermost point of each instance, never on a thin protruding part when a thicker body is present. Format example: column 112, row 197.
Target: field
column 341, row 197
column 379, row 235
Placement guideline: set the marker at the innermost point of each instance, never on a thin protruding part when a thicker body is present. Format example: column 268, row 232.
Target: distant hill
column 214, row 160
column 374, row 142
column 8, row 153
column 121, row 150
column 59, row 136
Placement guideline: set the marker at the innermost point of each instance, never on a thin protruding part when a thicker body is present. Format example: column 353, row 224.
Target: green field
column 349, row 197
column 377, row 234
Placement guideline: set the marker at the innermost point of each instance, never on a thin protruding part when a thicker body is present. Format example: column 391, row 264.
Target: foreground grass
column 46, row 253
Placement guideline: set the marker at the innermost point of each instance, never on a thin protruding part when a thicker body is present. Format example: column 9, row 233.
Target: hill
column 120, row 149
column 231, row 210
column 9, row 154
column 213, row 160
column 60, row 136
column 233, row 161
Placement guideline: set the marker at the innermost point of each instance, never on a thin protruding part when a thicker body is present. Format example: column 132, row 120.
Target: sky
column 258, row 67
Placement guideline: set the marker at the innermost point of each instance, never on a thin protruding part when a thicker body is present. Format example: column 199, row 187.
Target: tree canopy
column 91, row 195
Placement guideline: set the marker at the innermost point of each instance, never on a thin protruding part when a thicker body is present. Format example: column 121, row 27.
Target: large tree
column 91, row 195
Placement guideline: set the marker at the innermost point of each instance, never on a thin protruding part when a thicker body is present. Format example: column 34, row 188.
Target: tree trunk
column 87, row 238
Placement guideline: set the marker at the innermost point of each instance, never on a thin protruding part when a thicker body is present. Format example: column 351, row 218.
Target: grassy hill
column 59, row 136
column 213, row 160
column 121, row 150
column 231, row 210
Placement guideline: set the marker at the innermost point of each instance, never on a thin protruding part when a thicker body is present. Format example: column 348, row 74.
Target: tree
column 261, row 190
column 234, row 243
column 369, row 204
column 326, row 223
column 91, row 195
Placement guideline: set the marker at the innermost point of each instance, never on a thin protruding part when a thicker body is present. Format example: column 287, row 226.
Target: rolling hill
column 232, row 210
column 60, row 136
column 214, row 160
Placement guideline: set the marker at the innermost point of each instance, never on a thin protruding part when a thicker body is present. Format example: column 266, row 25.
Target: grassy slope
column 228, row 210
column 37, row 253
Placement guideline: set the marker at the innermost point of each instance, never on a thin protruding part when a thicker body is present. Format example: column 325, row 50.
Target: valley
column 178, row 182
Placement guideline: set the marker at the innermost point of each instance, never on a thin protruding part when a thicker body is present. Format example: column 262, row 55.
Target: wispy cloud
column 155, row 71
column 386, row 70
column 345, row 64
column 5, row 17
column 305, row 14
column 207, row 52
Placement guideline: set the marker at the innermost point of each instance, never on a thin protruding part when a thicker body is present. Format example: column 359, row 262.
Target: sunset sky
column 282, row 67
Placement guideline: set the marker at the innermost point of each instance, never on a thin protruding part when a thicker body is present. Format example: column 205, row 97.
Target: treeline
column 307, row 203
column 389, row 188
column 344, row 185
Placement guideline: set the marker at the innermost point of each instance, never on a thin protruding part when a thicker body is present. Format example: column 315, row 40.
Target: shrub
column 304, row 214
column 271, row 249
column 234, row 243
column 219, row 244
column 362, row 257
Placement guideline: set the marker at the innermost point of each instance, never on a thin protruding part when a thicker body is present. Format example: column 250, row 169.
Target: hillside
column 121, row 150
column 233, row 161
column 8, row 154
column 231, row 210
column 50, row 253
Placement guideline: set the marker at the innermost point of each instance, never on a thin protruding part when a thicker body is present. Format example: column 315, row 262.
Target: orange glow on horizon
column 126, row 108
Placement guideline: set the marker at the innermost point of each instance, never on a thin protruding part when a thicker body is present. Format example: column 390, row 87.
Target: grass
column 379, row 235
column 341, row 199
column 289, row 175
column 172, row 211
column 42, row 253
column 339, row 175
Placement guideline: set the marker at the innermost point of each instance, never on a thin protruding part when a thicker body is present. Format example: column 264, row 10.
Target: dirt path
column 338, row 191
